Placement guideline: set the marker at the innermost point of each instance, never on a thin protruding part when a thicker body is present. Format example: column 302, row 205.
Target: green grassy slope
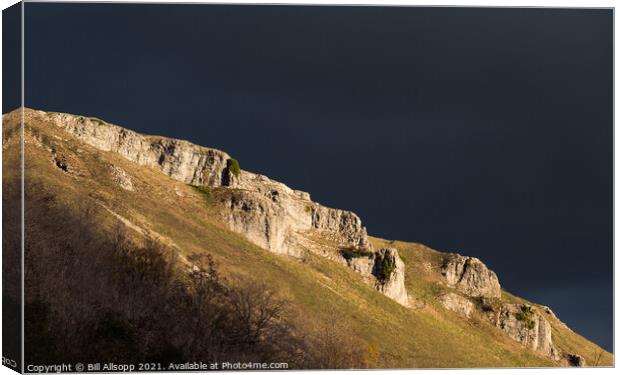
column 426, row 336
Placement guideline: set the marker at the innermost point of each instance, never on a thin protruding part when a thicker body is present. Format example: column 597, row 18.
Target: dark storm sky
column 482, row 131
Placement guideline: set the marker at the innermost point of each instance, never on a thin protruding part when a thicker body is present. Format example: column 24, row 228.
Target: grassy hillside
column 77, row 177
column 423, row 281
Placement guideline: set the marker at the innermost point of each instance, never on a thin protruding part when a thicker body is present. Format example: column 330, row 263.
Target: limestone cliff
column 266, row 212
column 269, row 212
column 275, row 216
column 470, row 276
column 178, row 159
column 522, row 323
column 286, row 221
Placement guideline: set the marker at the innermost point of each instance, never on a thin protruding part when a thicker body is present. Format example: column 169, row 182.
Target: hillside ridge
column 287, row 222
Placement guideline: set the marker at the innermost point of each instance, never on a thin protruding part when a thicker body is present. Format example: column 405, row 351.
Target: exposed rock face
column 384, row 269
column 273, row 216
column 522, row 323
column 470, row 276
column 526, row 325
column 266, row 211
column 457, row 303
column 269, row 223
column 300, row 213
column 391, row 282
column 346, row 224
column 178, row 159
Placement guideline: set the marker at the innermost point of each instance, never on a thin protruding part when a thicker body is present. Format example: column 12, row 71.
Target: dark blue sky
column 482, row 131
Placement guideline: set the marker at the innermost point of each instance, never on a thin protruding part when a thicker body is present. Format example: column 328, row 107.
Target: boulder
column 470, row 276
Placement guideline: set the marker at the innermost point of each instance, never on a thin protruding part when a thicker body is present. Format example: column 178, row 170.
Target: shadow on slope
column 105, row 296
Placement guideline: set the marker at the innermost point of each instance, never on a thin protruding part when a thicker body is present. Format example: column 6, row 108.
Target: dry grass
column 393, row 336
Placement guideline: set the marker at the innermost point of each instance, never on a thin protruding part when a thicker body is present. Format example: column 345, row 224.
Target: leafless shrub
column 95, row 295
column 330, row 347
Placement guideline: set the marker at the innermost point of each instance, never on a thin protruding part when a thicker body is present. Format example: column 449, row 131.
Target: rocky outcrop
column 470, row 276
column 457, row 303
column 346, row 224
column 390, row 273
column 267, row 212
column 266, row 221
column 384, row 269
column 178, row 159
column 277, row 218
column 274, row 216
column 286, row 221
column 523, row 323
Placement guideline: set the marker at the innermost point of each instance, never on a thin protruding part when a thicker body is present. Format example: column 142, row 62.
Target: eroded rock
column 347, row 224
column 383, row 268
column 470, row 276
column 267, row 218
column 389, row 270
column 275, row 220
column 266, row 212
column 525, row 324
column 178, row 159
column 260, row 220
